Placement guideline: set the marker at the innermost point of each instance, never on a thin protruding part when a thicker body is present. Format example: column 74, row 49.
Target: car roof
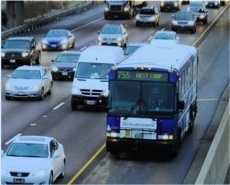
column 21, row 38
column 32, row 139
column 25, row 67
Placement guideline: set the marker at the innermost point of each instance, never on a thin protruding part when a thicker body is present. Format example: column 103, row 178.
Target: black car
column 184, row 20
column 63, row 67
column 19, row 51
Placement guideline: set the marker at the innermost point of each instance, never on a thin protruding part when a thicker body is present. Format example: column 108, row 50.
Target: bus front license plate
column 127, row 133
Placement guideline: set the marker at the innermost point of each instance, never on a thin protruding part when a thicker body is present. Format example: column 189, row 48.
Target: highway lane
column 213, row 79
column 83, row 132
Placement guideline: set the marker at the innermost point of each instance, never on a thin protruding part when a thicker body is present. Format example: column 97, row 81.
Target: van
column 90, row 83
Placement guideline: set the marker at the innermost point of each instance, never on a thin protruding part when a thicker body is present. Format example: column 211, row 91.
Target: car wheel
column 193, row 30
column 50, row 89
column 51, row 178
column 7, row 98
column 31, row 62
column 137, row 24
column 74, row 106
column 41, row 95
column 62, row 174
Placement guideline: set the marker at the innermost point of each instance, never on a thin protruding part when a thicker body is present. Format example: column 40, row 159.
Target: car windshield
column 130, row 50
column 93, row 70
column 57, row 33
column 28, row 150
column 147, row 11
column 70, row 58
column 111, row 30
column 164, row 36
column 183, row 16
column 17, row 44
column 197, row 9
column 26, row 74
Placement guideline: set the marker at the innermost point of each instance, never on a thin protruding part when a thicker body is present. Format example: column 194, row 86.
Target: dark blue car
column 58, row 39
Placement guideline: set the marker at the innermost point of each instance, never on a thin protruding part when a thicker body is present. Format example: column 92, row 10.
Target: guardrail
column 216, row 163
column 31, row 26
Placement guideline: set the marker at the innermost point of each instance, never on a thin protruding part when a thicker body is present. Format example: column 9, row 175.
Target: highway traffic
column 83, row 132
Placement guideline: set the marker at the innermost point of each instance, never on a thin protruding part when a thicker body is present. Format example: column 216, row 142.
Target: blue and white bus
column 152, row 101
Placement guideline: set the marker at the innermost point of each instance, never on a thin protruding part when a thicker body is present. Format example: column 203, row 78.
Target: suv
column 199, row 10
column 184, row 20
column 114, row 35
column 20, row 51
column 170, row 5
column 122, row 8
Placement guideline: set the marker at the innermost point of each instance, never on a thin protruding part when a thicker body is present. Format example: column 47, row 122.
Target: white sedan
column 29, row 82
column 32, row 160
column 165, row 36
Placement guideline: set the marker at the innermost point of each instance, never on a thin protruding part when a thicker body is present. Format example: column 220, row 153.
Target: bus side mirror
column 180, row 106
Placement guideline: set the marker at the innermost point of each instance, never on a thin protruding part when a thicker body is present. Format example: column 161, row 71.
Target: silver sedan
column 29, row 82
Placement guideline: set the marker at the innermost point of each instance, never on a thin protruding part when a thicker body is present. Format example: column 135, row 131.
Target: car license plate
column 90, row 102
column 18, row 180
column 64, row 73
column 12, row 61
column 53, row 46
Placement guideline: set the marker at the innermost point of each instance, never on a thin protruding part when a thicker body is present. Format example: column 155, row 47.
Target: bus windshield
column 141, row 98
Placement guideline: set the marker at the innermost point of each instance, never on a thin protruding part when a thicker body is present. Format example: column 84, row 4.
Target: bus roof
column 170, row 56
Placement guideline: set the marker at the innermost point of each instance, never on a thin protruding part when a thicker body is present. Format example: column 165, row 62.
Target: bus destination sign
column 142, row 75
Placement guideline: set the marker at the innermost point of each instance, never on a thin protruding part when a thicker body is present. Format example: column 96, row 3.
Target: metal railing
column 31, row 26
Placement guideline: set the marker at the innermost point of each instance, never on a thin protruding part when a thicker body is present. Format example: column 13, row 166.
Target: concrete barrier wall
column 216, row 163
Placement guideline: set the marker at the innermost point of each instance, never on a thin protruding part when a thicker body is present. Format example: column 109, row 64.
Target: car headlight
column 106, row 9
column 75, row 90
column 162, row 3
column 99, row 39
column 3, row 54
column 7, row 87
column 191, row 22
column 44, row 41
column 54, row 69
column 202, row 16
column 36, row 87
column 126, row 8
column 25, row 54
column 119, row 39
column 175, row 4
column 40, row 173
column 64, row 41
column 105, row 93
column 174, row 22
column 4, row 172
column 137, row 18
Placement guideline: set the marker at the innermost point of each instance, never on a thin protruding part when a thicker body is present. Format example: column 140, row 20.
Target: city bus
column 152, row 101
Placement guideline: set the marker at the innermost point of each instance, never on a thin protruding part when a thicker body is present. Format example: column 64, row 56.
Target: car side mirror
column 180, row 105
column 56, row 154
column 45, row 77
column 52, row 61
column 8, row 76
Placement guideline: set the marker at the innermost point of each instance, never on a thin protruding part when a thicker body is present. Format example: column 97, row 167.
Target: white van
column 90, row 84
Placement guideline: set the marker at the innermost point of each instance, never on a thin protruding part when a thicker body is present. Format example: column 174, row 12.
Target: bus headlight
column 165, row 137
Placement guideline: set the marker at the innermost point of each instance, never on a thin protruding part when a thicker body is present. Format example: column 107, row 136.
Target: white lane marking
column 33, row 124
column 78, row 28
column 62, row 103
column 9, row 141
column 83, row 48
